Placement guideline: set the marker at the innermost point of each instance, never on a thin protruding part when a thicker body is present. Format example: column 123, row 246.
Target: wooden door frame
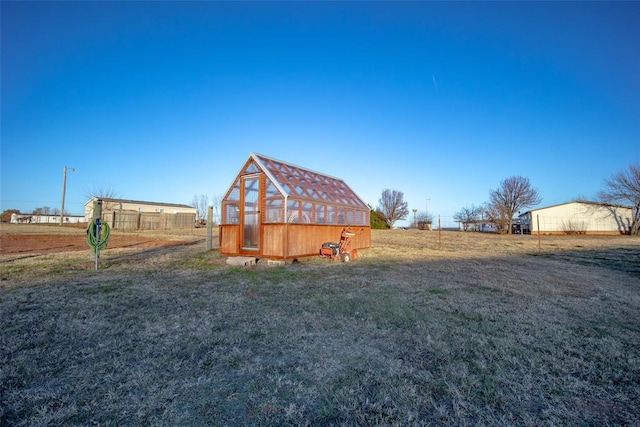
column 244, row 249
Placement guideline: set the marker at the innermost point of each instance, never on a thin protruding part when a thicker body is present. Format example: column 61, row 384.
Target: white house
column 45, row 219
column 578, row 217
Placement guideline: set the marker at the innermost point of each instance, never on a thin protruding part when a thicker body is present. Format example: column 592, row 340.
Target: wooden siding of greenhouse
column 283, row 231
column 290, row 240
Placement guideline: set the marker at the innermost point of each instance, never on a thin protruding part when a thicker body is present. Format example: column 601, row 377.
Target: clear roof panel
column 309, row 185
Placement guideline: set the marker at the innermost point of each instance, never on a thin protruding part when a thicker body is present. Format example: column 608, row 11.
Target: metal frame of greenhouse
column 278, row 210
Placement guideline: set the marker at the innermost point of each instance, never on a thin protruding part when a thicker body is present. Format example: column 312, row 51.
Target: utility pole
column 64, row 189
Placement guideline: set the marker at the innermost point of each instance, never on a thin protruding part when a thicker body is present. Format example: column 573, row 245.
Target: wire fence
column 602, row 224
column 446, row 223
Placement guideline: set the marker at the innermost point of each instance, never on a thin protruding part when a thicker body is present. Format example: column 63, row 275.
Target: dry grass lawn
column 477, row 329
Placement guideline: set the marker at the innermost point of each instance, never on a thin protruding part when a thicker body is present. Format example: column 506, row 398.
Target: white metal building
column 578, row 217
column 45, row 219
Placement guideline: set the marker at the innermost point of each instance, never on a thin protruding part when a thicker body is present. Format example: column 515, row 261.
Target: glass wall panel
column 251, row 168
column 293, row 211
column 321, row 214
column 307, row 213
column 270, row 189
column 355, row 217
column 332, row 216
column 230, row 213
column 231, row 205
column 273, row 203
column 341, row 217
column 274, row 210
column 234, row 194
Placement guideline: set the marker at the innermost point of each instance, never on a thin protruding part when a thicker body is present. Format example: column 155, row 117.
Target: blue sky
column 162, row 101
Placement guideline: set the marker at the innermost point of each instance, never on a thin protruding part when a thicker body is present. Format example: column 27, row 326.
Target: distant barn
column 123, row 214
column 278, row 210
column 578, row 217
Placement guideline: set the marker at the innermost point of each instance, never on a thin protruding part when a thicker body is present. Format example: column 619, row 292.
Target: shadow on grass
column 519, row 339
column 623, row 259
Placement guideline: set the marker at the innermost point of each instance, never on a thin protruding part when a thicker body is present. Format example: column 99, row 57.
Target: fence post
column 538, row 221
column 209, row 227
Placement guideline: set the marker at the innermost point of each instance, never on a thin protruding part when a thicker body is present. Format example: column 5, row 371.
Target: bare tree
column 393, row 206
column 496, row 216
column 106, row 192
column 44, row 210
column 514, row 194
column 6, row 215
column 624, row 187
column 468, row 215
column 216, row 201
column 424, row 220
column 200, row 203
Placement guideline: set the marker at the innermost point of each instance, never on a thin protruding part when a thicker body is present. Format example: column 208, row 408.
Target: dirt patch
column 52, row 243
column 35, row 240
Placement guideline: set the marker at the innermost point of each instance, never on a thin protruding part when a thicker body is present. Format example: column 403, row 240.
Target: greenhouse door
column 250, row 212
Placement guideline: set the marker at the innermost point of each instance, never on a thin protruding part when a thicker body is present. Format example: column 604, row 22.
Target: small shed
column 278, row 210
column 578, row 217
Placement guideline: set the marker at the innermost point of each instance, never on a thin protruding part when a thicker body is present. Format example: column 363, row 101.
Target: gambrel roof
column 304, row 184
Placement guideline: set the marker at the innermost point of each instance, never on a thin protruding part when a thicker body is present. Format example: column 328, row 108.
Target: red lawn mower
column 340, row 250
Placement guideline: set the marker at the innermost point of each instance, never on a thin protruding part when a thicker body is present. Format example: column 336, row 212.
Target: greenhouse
column 279, row 210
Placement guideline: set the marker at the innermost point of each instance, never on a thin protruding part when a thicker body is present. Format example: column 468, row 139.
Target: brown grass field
column 474, row 329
